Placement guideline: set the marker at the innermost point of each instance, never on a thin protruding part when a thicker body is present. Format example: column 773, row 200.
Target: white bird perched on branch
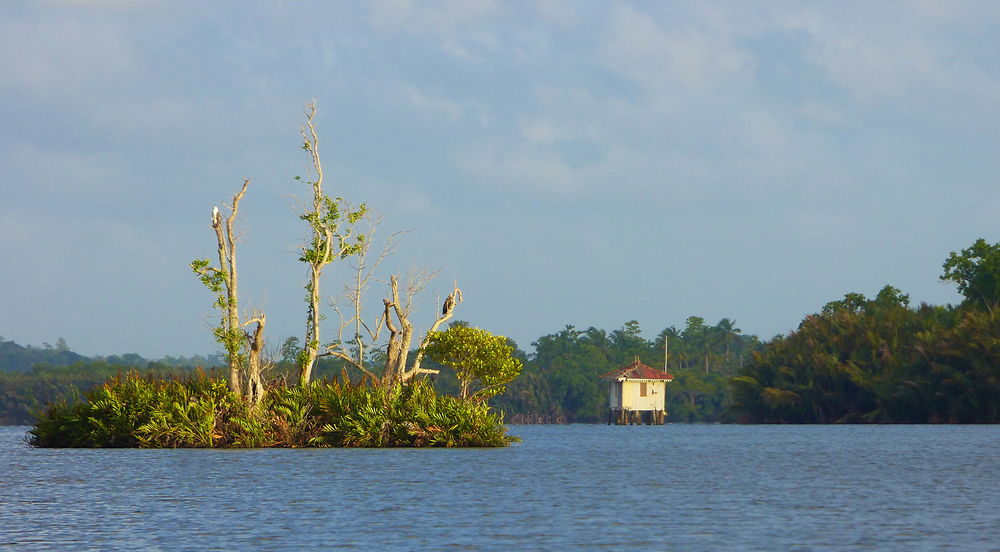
column 215, row 216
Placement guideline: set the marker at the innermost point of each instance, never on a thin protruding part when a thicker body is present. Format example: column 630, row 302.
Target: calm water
column 684, row 487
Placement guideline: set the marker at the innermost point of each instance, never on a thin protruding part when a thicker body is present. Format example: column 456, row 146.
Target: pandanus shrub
column 132, row 411
column 411, row 416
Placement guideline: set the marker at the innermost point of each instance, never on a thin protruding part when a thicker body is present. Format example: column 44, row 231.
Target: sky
column 563, row 162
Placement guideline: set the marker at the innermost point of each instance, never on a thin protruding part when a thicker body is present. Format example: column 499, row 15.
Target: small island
column 387, row 406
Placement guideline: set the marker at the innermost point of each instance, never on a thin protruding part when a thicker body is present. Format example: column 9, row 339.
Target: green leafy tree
column 976, row 270
column 478, row 358
column 726, row 332
column 332, row 224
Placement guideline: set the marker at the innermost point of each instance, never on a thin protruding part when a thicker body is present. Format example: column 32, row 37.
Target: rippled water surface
column 684, row 487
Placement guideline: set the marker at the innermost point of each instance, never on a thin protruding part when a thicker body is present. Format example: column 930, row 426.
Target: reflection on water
column 687, row 487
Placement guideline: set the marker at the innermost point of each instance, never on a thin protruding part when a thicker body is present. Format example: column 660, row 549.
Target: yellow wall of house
column 631, row 395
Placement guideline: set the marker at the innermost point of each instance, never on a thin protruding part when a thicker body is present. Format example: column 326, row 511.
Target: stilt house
column 637, row 394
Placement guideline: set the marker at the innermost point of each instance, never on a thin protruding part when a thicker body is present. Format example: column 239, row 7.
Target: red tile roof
column 637, row 370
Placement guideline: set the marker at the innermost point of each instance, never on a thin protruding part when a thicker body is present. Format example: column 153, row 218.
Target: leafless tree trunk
column 401, row 331
column 224, row 280
column 255, row 341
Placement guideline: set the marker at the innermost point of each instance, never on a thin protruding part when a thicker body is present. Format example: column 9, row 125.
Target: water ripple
column 584, row 487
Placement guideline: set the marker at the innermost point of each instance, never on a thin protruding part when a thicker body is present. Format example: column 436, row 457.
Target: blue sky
column 581, row 163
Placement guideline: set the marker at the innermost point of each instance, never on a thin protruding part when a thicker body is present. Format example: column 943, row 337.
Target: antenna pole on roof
column 666, row 352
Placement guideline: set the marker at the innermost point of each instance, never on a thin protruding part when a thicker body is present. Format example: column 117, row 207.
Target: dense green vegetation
column 483, row 363
column 201, row 411
column 878, row 360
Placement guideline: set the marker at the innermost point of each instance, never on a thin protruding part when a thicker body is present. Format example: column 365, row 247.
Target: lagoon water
column 580, row 487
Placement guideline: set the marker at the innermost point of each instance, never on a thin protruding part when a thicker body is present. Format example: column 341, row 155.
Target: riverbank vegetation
column 880, row 360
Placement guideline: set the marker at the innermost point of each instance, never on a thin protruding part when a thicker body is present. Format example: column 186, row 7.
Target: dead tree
column 224, row 281
column 255, row 366
column 243, row 349
column 364, row 334
column 401, row 330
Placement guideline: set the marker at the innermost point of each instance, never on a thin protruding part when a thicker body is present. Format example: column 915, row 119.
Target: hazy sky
column 571, row 162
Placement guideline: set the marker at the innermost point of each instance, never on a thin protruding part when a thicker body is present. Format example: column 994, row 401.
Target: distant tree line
column 24, row 394
column 18, row 358
column 32, row 377
column 560, row 384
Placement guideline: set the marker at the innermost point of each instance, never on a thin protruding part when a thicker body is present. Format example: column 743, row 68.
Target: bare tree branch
column 447, row 312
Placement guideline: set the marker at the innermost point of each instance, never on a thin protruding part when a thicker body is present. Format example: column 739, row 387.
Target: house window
column 642, row 389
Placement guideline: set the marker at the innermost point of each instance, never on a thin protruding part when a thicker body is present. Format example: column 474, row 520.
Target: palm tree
column 729, row 332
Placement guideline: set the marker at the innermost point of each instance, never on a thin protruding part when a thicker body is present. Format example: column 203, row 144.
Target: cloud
column 104, row 4
column 561, row 12
column 972, row 13
column 432, row 17
column 897, row 58
column 726, row 130
column 822, row 114
column 546, row 132
column 518, row 167
column 670, row 62
column 425, row 101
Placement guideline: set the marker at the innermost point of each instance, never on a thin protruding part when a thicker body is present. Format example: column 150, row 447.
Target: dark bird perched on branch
column 449, row 303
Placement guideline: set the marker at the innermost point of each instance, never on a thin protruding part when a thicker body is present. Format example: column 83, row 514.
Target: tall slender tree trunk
column 329, row 242
column 318, row 252
column 311, row 346
column 231, row 330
